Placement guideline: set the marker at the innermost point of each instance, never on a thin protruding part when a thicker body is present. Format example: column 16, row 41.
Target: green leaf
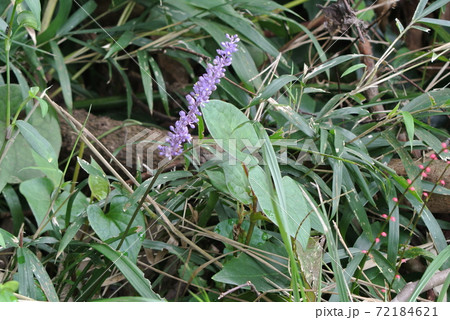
column 399, row 25
column 239, row 23
column 431, row 223
column 7, row 291
column 419, row 9
column 437, row 97
column 434, row 266
column 44, row 106
column 408, row 120
column 30, row 265
column 294, row 118
column 338, row 172
column 428, row 138
column 231, row 130
column 217, row 179
column 99, row 187
column 226, row 228
column 130, row 271
column 297, row 223
column 432, row 7
column 55, row 23
column 159, row 79
column 146, row 77
column 75, row 19
column 278, row 198
column 8, row 240
column 356, row 205
column 387, row 270
column 37, row 192
column 440, row 22
column 161, row 179
column 353, row 69
column 63, row 75
column 125, row 79
column 51, row 170
column 71, row 231
column 18, row 158
column 11, row 285
column 129, row 299
column 237, row 182
column 415, row 252
column 27, row 19
column 121, row 43
column 2, row 242
column 39, row 144
column 444, row 290
column 272, row 88
column 91, row 169
column 15, row 208
column 329, row 64
column 114, row 222
column 245, row 268
column 35, row 7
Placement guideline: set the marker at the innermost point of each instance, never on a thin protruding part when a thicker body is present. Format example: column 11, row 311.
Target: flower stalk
column 203, row 89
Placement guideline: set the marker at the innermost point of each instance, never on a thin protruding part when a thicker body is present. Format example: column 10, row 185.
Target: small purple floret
column 203, row 89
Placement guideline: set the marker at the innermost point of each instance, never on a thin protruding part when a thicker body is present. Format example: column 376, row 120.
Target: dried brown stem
column 436, row 280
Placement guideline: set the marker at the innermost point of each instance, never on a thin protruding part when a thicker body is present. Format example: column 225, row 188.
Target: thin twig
column 436, row 280
column 240, row 87
column 248, row 283
column 205, row 57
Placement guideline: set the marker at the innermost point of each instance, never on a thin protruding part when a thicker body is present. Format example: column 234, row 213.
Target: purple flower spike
column 203, row 89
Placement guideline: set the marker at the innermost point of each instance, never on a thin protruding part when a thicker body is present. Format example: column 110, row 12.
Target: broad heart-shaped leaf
column 99, row 186
column 18, row 162
column 231, row 130
column 298, row 222
column 38, row 193
column 114, row 222
column 245, row 268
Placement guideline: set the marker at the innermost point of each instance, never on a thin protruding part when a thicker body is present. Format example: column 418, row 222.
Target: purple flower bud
column 203, row 89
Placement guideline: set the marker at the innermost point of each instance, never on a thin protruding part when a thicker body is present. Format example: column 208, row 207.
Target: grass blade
column 128, row 88
column 63, row 75
column 13, row 202
column 29, row 264
column 147, row 82
column 434, row 266
column 133, row 274
column 161, row 84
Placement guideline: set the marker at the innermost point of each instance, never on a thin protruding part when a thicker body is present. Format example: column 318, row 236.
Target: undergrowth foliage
column 318, row 171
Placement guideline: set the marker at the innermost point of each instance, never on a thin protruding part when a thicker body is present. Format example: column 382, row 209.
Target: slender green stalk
column 251, row 228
